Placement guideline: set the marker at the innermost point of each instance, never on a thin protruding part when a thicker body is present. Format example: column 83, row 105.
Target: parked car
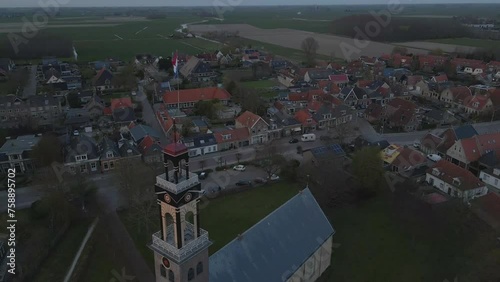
column 259, row 180
column 416, row 144
column 294, row 140
column 239, row 168
column 434, row 157
column 134, row 93
column 274, row 177
column 243, row 183
column 202, row 175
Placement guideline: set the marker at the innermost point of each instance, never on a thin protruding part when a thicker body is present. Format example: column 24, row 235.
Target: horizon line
column 261, row 5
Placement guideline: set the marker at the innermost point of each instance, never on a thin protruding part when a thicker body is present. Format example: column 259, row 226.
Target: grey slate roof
column 20, row 144
column 278, row 244
column 80, row 145
column 140, row 131
column 465, row 131
column 108, row 145
column 123, row 115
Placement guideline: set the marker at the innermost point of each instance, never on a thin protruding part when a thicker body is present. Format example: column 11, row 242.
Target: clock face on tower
column 166, row 263
column 167, row 198
column 188, row 197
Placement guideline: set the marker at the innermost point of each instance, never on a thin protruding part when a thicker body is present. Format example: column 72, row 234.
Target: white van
column 308, row 137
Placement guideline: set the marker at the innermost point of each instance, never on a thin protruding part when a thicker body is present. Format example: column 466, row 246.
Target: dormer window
column 435, row 171
column 309, row 120
column 109, row 154
column 476, row 104
column 343, row 112
column 456, row 181
column 226, row 136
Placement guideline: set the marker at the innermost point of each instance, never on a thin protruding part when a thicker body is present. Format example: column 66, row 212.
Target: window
column 199, row 268
column 109, row 154
column 111, row 165
column 496, row 181
column 106, row 167
column 190, row 274
column 93, row 166
column 84, row 157
column 163, row 271
column 171, row 276
column 83, row 168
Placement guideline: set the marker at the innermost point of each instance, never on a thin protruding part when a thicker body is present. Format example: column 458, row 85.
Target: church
column 293, row 243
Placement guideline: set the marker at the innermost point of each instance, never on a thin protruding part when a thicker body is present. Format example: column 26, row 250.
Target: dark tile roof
column 124, row 115
column 80, row 145
column 465, row 131
column 286, row 237
column 107, row 145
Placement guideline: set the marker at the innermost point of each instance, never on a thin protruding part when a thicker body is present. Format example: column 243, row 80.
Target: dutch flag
column 175, row 64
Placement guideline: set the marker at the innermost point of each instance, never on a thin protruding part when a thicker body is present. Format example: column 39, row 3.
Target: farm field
column 438, row 45
column 481, row 43
column 329, row 45
column 259, row 84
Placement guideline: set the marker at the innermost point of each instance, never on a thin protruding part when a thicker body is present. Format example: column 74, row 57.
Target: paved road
column 30, row 87
column 148, row 114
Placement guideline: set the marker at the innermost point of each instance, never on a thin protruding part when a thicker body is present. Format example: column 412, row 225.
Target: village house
column 197, row 70
column 201, row 144
column 317, row 75
column 440, row 78
column 257, row 127
column 479, row 104
column 341, row 80
column 151, row 150
column 491, row 177
column 401, row 114
column 306, row 120
column 17, row 154
column 466, row 152
column 103, row 80
column 456, row 97
column 187, row 98
column 354, row 96
column 40, row 110
column 428, row 63
column 233, row 138
column 455, row 181
column 122, row 110
column 95, row 107
column 407, row 161
column 108, row 154
column 81, row 154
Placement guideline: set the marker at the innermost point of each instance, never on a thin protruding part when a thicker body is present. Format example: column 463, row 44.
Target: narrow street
column 148, row 114
column 30, row 87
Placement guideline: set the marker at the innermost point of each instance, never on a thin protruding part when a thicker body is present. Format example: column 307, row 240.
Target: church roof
column 175, row 149
column 278, row 244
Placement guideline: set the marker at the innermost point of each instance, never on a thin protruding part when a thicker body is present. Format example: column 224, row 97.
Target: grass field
column 246, row 208
column 58, row 263
column 481, row 43
column 259, row 84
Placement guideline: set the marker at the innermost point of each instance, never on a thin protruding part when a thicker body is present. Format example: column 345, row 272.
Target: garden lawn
column 61, row 257
column 224, row 218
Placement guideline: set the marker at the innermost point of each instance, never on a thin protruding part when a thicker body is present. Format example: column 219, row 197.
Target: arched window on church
column 190, row 274
column 171, row 276
column 199, row 268
column 163, row 271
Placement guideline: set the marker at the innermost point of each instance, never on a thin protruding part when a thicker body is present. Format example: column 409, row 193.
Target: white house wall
column 493, row 180
column 315, row 265
column 444, row 187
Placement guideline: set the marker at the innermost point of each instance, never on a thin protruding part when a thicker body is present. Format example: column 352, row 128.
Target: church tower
column 181, row 246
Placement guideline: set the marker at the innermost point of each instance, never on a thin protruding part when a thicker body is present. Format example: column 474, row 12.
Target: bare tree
column 342, row 132
column 310, row 46
column 238, row 157
column 133, row 177
column 270, row 160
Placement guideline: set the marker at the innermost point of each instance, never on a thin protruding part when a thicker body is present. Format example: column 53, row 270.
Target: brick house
column 232, row 138
column 257, row 127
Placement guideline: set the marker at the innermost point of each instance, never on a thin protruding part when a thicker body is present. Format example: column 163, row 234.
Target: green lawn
column 59, row 261
column 259, row 84
column 226, row 217
column 482, row 43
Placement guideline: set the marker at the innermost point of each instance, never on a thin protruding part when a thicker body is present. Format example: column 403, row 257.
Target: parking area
column 227, row 179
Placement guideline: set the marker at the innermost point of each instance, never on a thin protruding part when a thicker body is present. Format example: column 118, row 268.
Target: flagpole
column 177, row 72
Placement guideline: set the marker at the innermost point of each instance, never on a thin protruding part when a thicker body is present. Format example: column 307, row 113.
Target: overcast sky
column 112, row 3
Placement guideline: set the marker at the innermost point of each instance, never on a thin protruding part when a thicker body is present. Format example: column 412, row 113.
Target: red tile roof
column 448, row 172
column 431, row 60
column 314, row 106
column 402, row 104
column 409, row 158
column 374, row 111
column 248, row 119
column 339, row 78
column 238, row 134
column 477, row 146
column 297, row 97
column 303, row 116
column 195, row 95
column 461, row 93
column 441, row 78
column 107, row 111
column 431, row 141
column 478, row 102
column 146, row 143
column 121, row 103
column 278, row 105
column 495, row 97
column 364, row 83
column 336, row 101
